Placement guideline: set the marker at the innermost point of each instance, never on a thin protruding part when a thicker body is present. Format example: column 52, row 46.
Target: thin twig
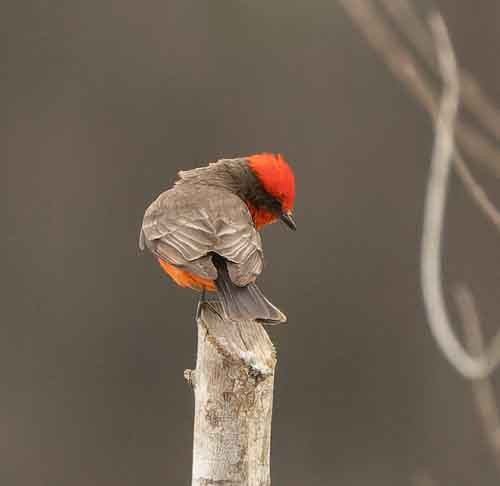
column 405, row 67
column 400, row 60
column 483, row 389
column 473, row 97
column 408, row 70
column 412, row 27
column 477, row 193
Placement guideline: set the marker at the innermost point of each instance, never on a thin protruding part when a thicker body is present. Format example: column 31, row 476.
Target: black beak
column 288, row 220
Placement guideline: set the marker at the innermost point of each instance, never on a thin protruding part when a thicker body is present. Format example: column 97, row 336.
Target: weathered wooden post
column 233, row 387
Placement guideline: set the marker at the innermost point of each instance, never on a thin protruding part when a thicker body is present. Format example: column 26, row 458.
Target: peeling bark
column 233, row 387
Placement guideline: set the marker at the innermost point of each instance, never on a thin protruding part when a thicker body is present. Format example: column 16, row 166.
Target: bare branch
column 403, row 64
column 474, row 99
column 405, row 67
column 477, row 193
column 412, row 27
column 439, row 322
column 408, row 70
column 483, row 389
column 399, row 59
column 434, row 213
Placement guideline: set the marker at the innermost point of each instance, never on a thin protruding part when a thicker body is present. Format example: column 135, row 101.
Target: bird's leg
column 204, row 301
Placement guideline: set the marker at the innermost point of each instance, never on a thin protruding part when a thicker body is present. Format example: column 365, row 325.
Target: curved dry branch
column 415, row 30
column 439, row 321
column 407, row 69
column 410, row 72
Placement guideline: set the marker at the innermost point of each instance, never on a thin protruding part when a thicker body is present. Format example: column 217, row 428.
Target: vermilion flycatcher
column 204, row 231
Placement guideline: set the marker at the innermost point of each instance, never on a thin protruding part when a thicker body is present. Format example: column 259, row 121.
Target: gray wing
column 188, row 222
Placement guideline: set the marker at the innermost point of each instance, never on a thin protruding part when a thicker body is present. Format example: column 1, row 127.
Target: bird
column 205, row 230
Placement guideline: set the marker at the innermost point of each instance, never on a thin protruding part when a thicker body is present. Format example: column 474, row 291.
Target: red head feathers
column 276, row 177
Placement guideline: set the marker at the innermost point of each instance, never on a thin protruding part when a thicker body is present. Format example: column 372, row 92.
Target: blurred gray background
column 105, row 101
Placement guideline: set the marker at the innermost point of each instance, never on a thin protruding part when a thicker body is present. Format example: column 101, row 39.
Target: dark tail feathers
column 244, row 303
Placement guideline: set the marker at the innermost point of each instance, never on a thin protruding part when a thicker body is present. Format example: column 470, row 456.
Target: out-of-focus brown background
column 106, row 100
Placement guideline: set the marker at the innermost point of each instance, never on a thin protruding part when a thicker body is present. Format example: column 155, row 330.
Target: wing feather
column 187, row 223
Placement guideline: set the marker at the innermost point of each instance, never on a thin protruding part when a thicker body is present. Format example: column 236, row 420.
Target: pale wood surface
column 233, row 387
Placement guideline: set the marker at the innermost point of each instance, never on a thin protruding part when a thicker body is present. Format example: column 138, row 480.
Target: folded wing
column 188, row 223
